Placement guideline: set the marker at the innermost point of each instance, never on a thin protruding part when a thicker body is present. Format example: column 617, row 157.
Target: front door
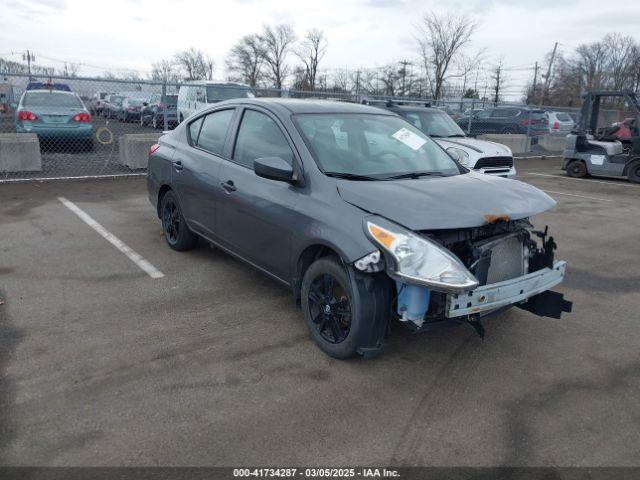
column 255, row 214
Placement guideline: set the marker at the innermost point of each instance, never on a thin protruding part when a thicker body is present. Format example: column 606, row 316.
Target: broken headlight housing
column 414, row 259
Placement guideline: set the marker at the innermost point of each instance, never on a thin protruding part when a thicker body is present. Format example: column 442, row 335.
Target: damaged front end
column 461, row 275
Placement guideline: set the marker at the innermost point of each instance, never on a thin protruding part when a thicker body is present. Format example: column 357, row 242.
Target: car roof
column 413, row 108
column 47, row 90
column 295, row 105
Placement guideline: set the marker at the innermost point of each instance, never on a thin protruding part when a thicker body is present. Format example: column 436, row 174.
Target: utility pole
column 28, row 57
column 403, row 73
column 535, row 84
column 547, row 78
column 358, row 86
column 497, row 89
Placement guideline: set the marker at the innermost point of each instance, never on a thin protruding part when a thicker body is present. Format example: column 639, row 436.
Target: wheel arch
column 633, row 161
column 161, row 193
column 307, row 256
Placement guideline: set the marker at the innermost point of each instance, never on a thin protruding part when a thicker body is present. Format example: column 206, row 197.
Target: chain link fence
column 72, row 127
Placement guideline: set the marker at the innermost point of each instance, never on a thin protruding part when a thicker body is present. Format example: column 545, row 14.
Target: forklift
column 595, row 151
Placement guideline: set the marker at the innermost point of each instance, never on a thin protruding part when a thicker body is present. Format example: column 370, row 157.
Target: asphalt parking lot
column 211, row 364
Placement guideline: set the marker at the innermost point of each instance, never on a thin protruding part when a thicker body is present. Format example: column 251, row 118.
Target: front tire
column 343, row 315
column 577, row 169
column 634, row 172
column 175, row 229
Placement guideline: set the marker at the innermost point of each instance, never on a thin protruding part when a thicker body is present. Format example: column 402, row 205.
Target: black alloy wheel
column 330, row 308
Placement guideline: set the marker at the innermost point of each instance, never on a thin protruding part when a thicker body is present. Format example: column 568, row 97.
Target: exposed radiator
column 507, row 260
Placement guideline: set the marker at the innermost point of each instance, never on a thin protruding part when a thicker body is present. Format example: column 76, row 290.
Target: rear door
column 255, row 215
column 196, row 167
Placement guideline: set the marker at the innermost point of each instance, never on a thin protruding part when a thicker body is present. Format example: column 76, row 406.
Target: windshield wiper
column 456, row 135
column 349, row 176
column 416, row 175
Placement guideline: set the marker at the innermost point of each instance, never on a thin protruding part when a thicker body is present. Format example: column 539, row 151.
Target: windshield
column 114, row 99
column 378, row 146
column 51, row 99
column 223, row 92
column 434, row 123
column 135, row 101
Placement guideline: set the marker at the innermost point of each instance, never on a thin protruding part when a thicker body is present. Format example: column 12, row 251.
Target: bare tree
column 195, row 64
column 246, row 60
column 165, row 71
column 311, row 50
column 620, row 53
column 591, row 61
column 277, row 43
column 69, row 69
column 440, row 39
column 390, row 80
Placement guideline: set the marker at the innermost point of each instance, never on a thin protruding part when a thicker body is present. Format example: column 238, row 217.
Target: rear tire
column 174, row 227
column 344, row 313
column 634, row 172
column 509, row 130
column 577, row 169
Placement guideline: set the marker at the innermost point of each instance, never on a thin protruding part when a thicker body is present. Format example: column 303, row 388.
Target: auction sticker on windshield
column 409, row 138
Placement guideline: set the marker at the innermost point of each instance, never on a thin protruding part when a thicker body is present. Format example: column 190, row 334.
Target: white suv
column 479, row 155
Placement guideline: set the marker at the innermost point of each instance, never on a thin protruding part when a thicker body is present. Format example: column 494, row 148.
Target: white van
column 195, row 95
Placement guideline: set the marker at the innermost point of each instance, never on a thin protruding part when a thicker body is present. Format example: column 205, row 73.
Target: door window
column 214, row 131
column 194, row 130
column 259, row 136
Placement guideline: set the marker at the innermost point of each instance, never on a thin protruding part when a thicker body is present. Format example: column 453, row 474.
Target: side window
column 484, row 114
column 194, row 130
column 200, row 96
column 259, row 136
column 499, row 113
column 415, row 120
column 214, row 131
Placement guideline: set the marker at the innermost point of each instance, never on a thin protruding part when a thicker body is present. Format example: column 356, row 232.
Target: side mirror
column 274, row 168
column 145, row 104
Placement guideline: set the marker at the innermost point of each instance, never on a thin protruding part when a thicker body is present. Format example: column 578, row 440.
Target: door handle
column 229, row 186
column 178, row 165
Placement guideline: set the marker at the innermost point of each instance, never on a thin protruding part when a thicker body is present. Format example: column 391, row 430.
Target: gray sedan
column 364, row 217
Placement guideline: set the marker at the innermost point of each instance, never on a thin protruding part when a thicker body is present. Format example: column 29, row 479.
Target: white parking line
column 582, row 179
column 581, row 196
column 135, row 257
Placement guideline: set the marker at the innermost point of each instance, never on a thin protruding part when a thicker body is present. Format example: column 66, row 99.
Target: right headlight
column 414, row 259
column 461, row 155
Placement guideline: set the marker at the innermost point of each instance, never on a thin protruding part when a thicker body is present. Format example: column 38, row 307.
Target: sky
column 131, row 34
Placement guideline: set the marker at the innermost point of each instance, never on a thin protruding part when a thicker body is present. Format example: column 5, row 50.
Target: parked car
column 194, row 96
column 560, row 123
column 112, row 106
column 506, row 120
column 6, row 97
column 130, row 109
column 360, row 231
column 56, row 117
column 481, row 155
column 154, row 113
column 96, row 104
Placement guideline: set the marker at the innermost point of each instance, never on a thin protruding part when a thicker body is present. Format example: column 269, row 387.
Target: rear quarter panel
column 159, row 170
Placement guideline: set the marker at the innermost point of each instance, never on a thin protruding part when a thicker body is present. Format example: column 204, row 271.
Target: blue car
column 57, row 117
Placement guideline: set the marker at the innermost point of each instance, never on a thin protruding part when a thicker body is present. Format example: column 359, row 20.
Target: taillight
column 525, row 122
column 153, row 149
column 130, row 109
column 26, row 116
column 82, row 117
column 556, row 126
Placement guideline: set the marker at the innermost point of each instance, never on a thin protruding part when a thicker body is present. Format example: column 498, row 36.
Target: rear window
column 171, row 100
column 103, row 95
column 51, row 99
column 563, row 117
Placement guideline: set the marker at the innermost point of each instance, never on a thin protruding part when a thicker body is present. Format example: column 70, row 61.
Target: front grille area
column 488, row 162
column 507, row 260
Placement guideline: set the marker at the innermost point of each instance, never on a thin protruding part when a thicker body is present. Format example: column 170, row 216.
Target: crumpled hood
column 434, row 203
column 484, row 147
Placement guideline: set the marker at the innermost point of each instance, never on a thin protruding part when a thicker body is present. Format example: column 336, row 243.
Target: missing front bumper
column 488, row 298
